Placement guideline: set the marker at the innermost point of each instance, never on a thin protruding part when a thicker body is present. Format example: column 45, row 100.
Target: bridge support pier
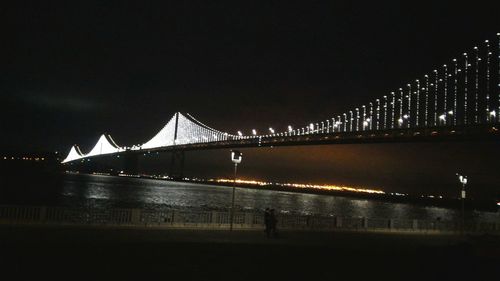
column 130, row 163
column 177, row 165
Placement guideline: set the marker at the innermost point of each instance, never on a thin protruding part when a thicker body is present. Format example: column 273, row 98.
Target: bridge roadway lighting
column 463, row 181
column 254, row 132
column 271, row 130
column 236, row 158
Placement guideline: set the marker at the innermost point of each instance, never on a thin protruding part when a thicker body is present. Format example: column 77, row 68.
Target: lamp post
column 463, row 181
column 236, row 157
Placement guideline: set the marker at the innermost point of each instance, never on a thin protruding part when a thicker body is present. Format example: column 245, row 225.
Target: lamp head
column 236, row 156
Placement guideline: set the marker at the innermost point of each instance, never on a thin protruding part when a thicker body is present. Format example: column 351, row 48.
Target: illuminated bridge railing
column 220, row 220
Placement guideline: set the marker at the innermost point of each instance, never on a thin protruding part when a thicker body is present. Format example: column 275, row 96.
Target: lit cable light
column 345, row 121
column 351, row 120
column 418, row 104
column 371, row 116
column 385, row 112
column 364, row 117
column 436, row 89
column 487, row 102
column 103, row 146
column 401, row 97
column 455, row 91
column 409, row 105
column 466, row 67
column 393, row 105
column 476, row 88
column 445, row 98
column 357, row 119
column 426, row 103
column 498, row 76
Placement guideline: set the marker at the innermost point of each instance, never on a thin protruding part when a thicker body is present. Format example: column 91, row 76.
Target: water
column 107, row 191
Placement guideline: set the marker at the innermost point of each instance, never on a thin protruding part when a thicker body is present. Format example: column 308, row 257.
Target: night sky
column 72, row 71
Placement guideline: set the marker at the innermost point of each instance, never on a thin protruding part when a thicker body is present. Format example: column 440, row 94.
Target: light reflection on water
column 105, row 191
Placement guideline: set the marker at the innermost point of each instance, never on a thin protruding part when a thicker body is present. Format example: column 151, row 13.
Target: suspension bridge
column 459, row 100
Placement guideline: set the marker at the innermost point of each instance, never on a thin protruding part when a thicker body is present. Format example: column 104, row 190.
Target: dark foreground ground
column 70, row 253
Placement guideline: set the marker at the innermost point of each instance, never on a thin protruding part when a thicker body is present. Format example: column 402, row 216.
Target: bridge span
column 456, row 101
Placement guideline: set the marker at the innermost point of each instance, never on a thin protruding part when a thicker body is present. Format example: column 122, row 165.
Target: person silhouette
column 267, row 222
column 272, row 223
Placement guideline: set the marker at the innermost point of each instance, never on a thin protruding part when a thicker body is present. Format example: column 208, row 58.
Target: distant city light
column 299, row 185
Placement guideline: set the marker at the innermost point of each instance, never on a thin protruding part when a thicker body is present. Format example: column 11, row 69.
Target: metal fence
column 221, row 220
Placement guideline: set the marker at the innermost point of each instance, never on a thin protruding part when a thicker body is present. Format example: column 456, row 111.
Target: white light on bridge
column 290, row 129
column 271, row 130
column 254, row 132
column 240, row 134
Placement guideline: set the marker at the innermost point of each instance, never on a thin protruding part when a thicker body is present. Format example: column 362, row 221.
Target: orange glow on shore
column 300, row 185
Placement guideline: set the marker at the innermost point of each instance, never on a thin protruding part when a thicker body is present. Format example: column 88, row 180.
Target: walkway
column 66, row 253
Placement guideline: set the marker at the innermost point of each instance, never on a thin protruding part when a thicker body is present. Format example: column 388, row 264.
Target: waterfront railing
column 221, row 220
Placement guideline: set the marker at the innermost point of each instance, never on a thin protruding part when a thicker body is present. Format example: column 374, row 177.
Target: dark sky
column 71, row 71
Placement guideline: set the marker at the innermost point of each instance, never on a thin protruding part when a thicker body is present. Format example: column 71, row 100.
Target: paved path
column 93, row 253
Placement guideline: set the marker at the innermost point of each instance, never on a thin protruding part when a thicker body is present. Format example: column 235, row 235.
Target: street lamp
column 463, row 181
column 236, row 157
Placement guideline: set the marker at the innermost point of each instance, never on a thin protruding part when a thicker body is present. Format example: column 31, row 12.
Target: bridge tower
column 177, row 160
column 130, row 163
